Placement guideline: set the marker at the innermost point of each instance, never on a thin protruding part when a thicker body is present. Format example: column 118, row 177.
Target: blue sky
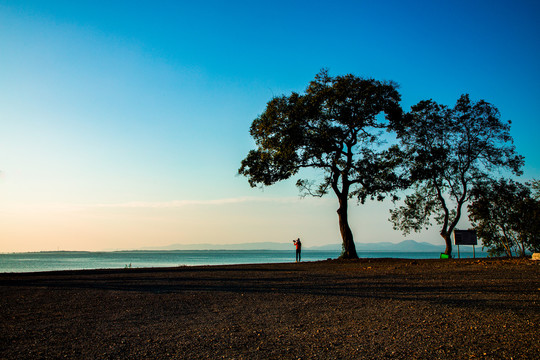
column 122, row 124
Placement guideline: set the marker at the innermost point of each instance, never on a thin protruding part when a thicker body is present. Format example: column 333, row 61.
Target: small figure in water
column 298, row 245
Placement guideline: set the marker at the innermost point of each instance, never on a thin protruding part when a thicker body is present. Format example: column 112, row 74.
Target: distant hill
column 405, row 246
column 208, row 246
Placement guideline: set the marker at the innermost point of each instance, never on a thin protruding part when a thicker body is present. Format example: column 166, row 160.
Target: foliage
column 506, row 216
column 334, row 127
column 448, row 150
column 535, row 186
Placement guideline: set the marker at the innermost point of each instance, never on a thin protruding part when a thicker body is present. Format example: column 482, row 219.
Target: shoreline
column 368, row 308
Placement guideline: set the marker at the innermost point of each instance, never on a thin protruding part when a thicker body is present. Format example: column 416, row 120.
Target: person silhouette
column 298, row 245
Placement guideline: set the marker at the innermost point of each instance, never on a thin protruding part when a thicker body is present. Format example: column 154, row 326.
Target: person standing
column 298, row 245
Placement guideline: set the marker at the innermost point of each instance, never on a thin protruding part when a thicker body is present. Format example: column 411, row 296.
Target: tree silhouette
column 334, row 127
column 506, row 216
column 449, row 150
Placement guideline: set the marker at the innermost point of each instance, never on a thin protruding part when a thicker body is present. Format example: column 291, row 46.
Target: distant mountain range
column 208, row 246
column 405, row 246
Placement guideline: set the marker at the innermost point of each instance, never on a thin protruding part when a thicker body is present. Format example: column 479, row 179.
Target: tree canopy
column 333, row 127
column 506, row 216
column 448, row 150
column 535, row 186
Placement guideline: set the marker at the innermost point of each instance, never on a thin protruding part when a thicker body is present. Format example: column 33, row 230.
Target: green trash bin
column 444, row 256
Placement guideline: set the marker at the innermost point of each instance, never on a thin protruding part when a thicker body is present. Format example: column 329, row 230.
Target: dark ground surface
column 366, row 309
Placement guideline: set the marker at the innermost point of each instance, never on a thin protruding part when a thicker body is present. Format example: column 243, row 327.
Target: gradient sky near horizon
column 123, row 123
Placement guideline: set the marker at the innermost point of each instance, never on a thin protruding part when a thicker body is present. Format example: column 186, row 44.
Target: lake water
column 76, row 260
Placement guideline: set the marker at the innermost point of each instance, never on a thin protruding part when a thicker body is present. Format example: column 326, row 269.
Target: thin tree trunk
column 349, row 249
column 448, row 241
column 506, row 242
column 446, row 235
column 522, row 250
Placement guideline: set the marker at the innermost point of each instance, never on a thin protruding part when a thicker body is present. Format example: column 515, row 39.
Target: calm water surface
column 76, row 260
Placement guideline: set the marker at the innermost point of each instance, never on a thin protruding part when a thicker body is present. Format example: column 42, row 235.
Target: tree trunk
column 522, row 250
column 448, row 241
column 349, row 249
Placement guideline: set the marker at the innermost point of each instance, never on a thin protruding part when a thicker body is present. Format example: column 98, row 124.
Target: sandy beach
column 366, row 309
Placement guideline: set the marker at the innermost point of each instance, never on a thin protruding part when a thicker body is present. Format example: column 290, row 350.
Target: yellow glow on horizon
column 136, row 225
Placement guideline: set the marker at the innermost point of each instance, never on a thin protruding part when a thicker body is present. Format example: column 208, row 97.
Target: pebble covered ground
column 365, row 309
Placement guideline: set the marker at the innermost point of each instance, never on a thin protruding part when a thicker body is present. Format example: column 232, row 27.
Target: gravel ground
column 366, row 309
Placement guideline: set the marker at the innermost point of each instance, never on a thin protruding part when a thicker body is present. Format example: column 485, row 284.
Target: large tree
column 333, row 127
column 448, row 151
column 506, row 216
